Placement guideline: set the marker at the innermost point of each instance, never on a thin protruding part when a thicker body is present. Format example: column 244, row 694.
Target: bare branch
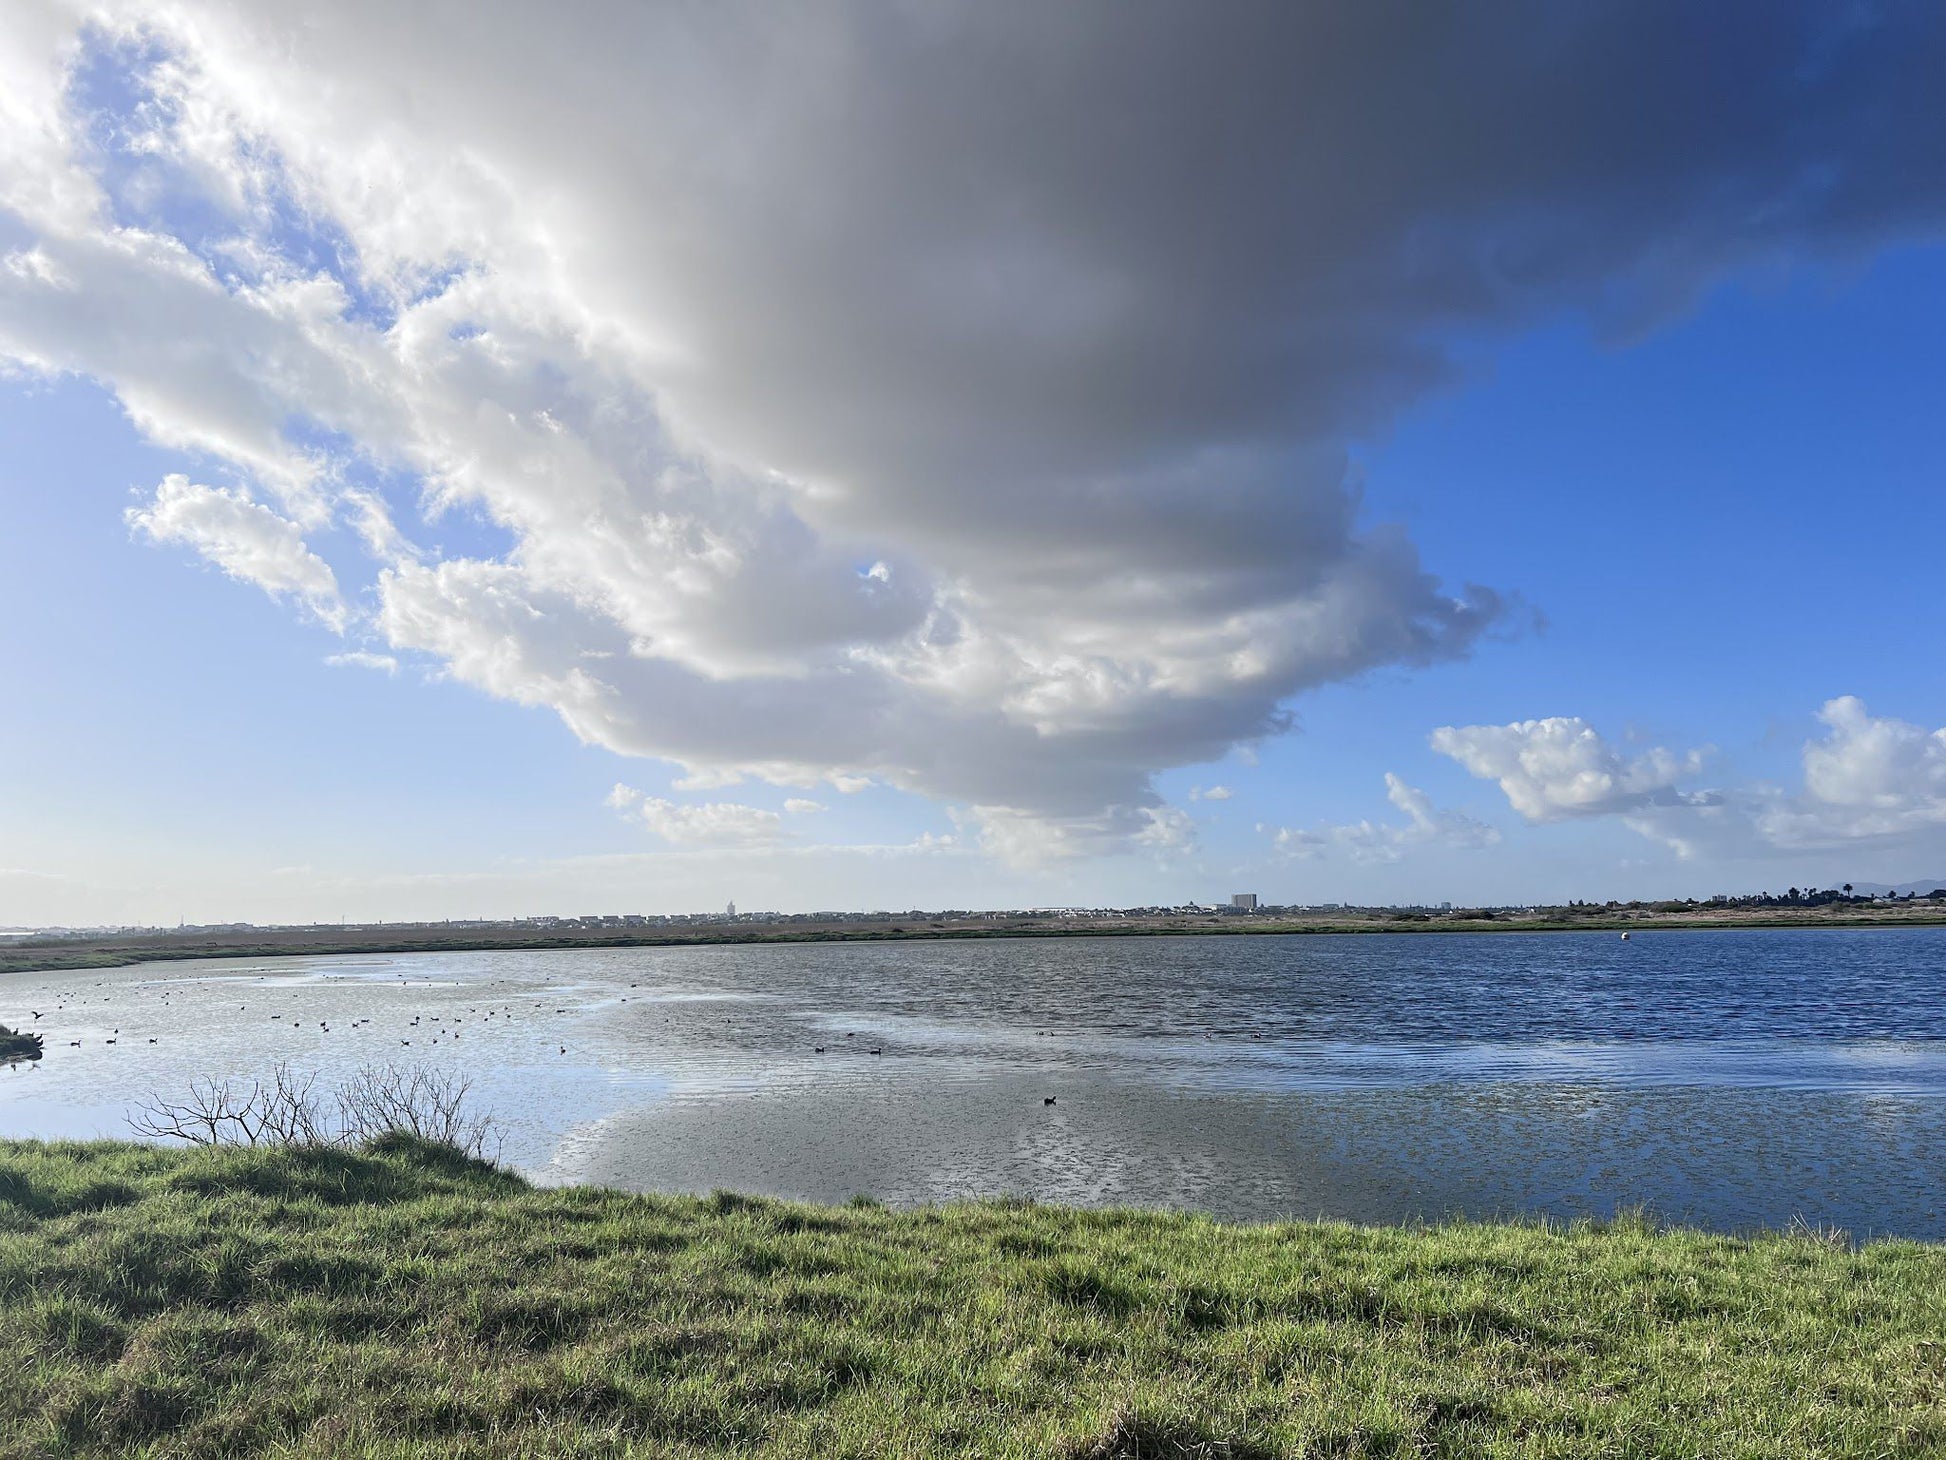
column 286, row 1110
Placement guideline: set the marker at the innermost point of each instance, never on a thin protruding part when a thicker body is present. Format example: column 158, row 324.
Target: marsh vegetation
column 17, row 1045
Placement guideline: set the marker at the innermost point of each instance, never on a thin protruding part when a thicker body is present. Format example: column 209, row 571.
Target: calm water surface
column 1725, row 1078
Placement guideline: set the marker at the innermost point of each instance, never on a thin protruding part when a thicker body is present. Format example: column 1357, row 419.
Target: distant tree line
column 1789, row 897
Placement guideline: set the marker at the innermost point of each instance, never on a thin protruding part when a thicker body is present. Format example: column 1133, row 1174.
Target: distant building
column 730, row 911
column 1245, row 901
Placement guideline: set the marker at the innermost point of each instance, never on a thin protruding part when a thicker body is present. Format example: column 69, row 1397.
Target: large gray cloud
column 953, row 394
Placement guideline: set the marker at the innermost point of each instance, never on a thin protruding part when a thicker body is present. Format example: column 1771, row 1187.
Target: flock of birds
column 439, row 1029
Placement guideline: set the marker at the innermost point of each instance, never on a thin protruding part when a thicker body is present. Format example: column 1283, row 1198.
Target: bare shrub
column 419, row 1101
column 286, row 1110
column 283, row 1111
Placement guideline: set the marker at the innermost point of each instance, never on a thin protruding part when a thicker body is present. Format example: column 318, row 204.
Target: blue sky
column 372, row 560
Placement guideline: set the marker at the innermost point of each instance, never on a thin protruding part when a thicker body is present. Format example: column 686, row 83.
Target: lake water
column 1724, row 1078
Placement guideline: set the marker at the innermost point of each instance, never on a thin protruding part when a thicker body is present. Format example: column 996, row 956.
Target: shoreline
column 66, row 955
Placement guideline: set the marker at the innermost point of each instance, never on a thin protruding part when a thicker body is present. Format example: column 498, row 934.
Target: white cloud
column 1866, row 779
column 838, row 404
column 1425, row 824
column 360, row 659
column 799, row 806
column 246, row 540
column 1209, row 793
column 1022, row 840
column 1372, row 842
column 1560, row 767
column 711, row 824
column 708, row 778
column 1877, row 766
column 714, row 823
column 1169, row 831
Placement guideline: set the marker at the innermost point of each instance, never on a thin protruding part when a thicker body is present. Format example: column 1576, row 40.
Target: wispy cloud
column 711, row 823
column 360, row 659
column 1372, row 842
column 246, row 540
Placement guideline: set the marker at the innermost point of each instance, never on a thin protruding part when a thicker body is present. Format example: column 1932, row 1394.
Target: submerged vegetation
column 407, row 1299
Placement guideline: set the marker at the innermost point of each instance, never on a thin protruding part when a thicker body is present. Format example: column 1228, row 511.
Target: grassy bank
column 408, row 1301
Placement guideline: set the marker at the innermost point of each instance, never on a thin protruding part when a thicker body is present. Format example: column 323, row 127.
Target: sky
column 478, row 461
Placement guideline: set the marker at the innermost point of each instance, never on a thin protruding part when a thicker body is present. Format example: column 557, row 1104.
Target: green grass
column 408, row 1301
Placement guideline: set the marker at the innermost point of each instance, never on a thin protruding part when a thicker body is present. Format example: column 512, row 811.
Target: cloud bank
column 954, row 396
column 1867, row 779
